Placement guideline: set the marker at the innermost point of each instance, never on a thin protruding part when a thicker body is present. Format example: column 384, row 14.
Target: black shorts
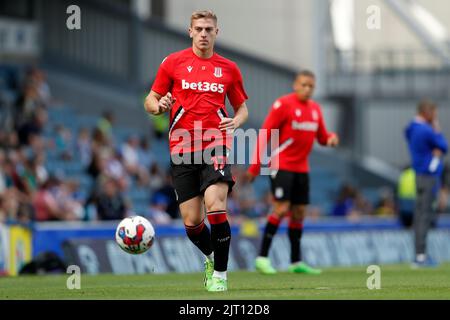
column 191, row 179
column 290, row 186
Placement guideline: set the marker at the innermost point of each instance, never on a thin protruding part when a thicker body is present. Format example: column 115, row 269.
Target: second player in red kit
column 193, row 85
column 300, row 122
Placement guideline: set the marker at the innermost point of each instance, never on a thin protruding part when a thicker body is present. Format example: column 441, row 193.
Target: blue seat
column 138, row 194
column 140, row 207
column 161, row 151
column 86, row 181
column 86, row 121
column 261, row 186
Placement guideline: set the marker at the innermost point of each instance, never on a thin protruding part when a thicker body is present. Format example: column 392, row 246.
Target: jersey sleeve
column 437, row 140
column 164, row 81
column 274, row 120
column 322, row 133
column 236, row 93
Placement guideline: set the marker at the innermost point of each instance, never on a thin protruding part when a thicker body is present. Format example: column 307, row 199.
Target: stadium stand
column 66, row 160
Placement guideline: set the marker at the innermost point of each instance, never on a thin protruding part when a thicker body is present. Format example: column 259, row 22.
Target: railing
column 387, row 73
column 103, row 48
column 115, row 47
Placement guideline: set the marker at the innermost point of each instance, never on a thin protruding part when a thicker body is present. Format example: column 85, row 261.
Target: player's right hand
column 333, row 141
column 437, row 153
column 436, row 125
column 166, row 103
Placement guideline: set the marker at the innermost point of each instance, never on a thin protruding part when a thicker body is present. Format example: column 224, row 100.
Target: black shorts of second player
column 191, row 180
column 290, row 186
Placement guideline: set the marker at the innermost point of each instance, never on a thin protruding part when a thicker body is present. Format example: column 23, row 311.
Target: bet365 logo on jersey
column 202, row 86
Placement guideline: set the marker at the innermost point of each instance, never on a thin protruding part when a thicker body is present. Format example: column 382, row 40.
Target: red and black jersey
column 200, row 87
column 299, row 124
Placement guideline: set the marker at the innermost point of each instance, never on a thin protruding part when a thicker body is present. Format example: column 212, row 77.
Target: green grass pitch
column 397, row 282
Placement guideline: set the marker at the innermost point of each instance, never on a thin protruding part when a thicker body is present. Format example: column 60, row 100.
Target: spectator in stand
column 105, row 124
column 109, row 203
column 17, row 211
column 3, row 186
column 100, row 141
column 9, row 140
column 37, row 144
column 47, row 205
column 65, row 196
column 444, row 199
column 146, row 157
column 34, row 173
column 26, row 105
column 97, row 164
column 39, row 80
column 350, row 203
column 12, row 177
column 345, row 201
column 129, row 151
column 32, row 127
column 160, row 123
column 157, row 212
column 168, row 191
column 386, row 204
column 101, row 152
column 9, row 206
column 157, row 179
column 245, row 193
column 3, row 213
column 63, row 142
column 83, row 148
column 406, row 195
column 2, row 171
column 29, row 175
column 115, row 169
column 130, row 156
column 40, row 168
column 160, row 126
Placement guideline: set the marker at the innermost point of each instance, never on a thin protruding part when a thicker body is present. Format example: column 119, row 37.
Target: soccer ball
column 135, row 235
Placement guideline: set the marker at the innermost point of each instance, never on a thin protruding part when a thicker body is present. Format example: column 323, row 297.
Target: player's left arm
column 325, row 138
column 437, row 139
column 240, row 117
column 237, row 96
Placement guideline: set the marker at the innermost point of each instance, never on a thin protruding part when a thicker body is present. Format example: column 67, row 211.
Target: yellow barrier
column 19, row 248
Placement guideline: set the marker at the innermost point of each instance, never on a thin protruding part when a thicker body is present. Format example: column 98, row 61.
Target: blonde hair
column 203, row 14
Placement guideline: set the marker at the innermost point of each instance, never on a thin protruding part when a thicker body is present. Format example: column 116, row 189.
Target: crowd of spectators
column 25, row 182
column 351, row 202
column 32, row 190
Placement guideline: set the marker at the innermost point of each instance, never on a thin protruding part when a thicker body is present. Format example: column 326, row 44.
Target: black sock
column 220, row 239
column 269, row 232
column 294, row 237
column 201, row 237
